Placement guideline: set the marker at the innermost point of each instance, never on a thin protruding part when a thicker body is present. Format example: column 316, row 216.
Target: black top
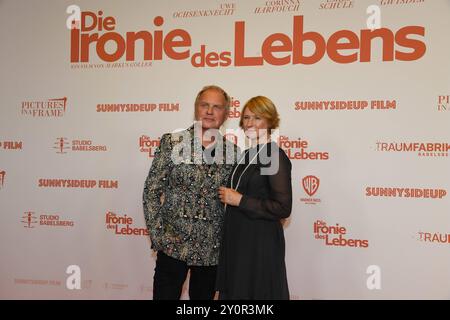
column 251, row 260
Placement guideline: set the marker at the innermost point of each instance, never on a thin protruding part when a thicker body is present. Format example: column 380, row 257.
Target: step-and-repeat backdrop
column 363, row 89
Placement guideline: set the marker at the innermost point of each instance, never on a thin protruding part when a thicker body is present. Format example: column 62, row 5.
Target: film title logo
column 346, row 105
column 148, row 145
column 29, row 220
column 234, row 112
column 2, row 178
column 225, row 9
column 310, row 184
column 443, row 103
column 278, row 6
column 405, row 193
column 336, row 236
column 11, row 145
column 123, row 225
column 77, row 183
column 337, row 4
column 61, row 145
column 138, row 107
column 296, row 149
column 277, row 49
column 423, row 149
column 434, row 237
column 44, row 109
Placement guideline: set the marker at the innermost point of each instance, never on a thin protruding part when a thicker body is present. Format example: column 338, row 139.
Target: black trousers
column 171, row 273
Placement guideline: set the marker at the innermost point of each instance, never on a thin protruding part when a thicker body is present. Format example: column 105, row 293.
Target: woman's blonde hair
column 263, row 107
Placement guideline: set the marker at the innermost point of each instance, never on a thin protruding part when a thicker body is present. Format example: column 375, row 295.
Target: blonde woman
column 258, row 197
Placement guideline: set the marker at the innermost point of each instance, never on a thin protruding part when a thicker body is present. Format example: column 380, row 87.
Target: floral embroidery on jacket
column 182, row 209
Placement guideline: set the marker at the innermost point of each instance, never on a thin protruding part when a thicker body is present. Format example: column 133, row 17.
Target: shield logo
column 310, row 184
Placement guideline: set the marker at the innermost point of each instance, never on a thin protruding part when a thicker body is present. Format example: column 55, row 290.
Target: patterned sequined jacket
column 182, row 209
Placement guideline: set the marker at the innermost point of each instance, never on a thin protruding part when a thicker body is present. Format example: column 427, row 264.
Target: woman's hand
column 229, row 196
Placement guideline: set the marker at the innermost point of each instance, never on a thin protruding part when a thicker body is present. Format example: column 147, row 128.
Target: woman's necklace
column 243, row 171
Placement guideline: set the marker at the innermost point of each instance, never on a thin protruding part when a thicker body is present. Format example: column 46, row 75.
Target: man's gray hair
column 217, row 88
